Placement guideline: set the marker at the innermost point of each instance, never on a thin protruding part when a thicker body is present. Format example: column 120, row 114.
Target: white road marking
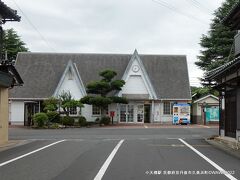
column 22, row 156
column 111, row 139
column 209, row 160
column 108, row 161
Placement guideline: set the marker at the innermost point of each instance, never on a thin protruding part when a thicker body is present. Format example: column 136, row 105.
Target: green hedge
column 40, row 119
column 82, row 121
column 67, row 121
column 53, row 117
column 105, row 120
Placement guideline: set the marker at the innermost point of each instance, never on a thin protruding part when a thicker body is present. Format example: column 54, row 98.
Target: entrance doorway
column 126, row 113
column 30, row 108
column 147, row 113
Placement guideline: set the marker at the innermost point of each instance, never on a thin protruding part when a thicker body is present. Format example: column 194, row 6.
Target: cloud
column 116, row 26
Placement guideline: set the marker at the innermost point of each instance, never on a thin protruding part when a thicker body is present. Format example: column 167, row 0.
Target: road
column 116, row 153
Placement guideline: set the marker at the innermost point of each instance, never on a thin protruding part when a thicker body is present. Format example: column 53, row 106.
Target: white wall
column 135, row 85
column 157, row 112
column 135, row 81
column 72, row 86
column 16, row 112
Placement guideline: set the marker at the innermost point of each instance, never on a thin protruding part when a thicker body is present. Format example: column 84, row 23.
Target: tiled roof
column 219, row 70
column 41, row 72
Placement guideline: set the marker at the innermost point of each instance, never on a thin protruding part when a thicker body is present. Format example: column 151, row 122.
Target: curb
column 224, row 147
column 12, row 143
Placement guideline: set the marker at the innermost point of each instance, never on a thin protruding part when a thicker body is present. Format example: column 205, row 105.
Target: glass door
column 126, row 113
column 123, row 117
column 140, row 113
column 130, row 114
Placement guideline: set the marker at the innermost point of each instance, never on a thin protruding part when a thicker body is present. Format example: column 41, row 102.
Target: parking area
column 101, row 153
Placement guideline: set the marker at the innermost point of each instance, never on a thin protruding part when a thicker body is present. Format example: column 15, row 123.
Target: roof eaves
column 8, row 14
column 216, row 72
column 226, row 19
column 204, row 97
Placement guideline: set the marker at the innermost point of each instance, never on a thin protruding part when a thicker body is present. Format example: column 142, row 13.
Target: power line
column 172, row 8
column 201, row 5
column 197, row 6
column 34, row 27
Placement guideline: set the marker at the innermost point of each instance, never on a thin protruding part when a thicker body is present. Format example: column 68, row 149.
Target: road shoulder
column 224, row 147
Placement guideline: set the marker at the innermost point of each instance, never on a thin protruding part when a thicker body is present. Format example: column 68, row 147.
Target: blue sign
column 212, row 114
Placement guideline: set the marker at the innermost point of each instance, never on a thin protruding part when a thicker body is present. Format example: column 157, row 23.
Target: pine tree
column 101, row 91
column 218, row 43
column 12, row 44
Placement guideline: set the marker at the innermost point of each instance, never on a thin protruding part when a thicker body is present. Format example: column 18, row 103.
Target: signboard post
column 112, row 114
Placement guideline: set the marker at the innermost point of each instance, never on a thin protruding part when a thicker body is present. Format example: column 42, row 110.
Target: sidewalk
column 226, row 144
column 11, row 143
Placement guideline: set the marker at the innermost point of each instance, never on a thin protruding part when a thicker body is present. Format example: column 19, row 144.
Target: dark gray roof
column 41, row 72
column 221, row 69
column 232, row 18
column 7, row 13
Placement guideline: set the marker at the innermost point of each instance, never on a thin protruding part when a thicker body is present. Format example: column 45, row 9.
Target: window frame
column 96, row 109
column 170, row 108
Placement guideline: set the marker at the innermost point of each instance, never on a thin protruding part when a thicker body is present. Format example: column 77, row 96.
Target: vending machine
column 181, row 114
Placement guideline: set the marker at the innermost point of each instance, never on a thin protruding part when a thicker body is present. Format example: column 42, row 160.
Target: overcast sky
column 115, row 26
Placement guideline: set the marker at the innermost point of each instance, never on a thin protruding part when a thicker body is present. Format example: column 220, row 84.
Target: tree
column 50, row 104
column 12, row 44
column 198, row 92
column 67, row 102
column 102, row 89
column 218, row 43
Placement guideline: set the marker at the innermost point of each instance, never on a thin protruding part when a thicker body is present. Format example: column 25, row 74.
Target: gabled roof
column 70, row 67
column 10, row 72
column 8, row 14
column 42, row 72
column 233, row 17
column 205, row 97
column 149, row 85
column 221, row 69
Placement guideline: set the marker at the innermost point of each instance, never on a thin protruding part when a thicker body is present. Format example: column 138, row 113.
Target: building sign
column 212, row 114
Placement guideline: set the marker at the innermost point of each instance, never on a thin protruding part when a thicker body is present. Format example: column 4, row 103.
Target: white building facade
column 151, row 84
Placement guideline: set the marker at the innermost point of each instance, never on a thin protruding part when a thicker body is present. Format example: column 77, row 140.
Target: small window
column 167, row 108
column 96, row 110
column 70, row 74
column 73, row 111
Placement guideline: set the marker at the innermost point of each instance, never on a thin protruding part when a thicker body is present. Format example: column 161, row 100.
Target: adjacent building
column 227, row 79
column 9, row 77
column 153, row 84
column 205, row 110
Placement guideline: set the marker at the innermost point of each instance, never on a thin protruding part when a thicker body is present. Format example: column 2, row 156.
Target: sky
column 116, row 26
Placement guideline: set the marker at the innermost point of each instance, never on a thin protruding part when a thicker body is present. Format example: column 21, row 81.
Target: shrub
column 105, row 120
column 53, row 117
column 82, row 121
column 54, row 126
column 67, row 121
column 97, row 120
column 40, row 119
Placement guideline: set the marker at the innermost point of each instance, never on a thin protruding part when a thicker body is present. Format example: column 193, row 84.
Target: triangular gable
column 205, row 97
column 71, row 76
column 136, row 72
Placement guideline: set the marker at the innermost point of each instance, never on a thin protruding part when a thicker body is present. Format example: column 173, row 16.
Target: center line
column 108, row 161
column 22, row 156
column 209, row 160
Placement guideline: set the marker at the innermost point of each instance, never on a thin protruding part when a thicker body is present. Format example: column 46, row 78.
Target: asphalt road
column 116, row 153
